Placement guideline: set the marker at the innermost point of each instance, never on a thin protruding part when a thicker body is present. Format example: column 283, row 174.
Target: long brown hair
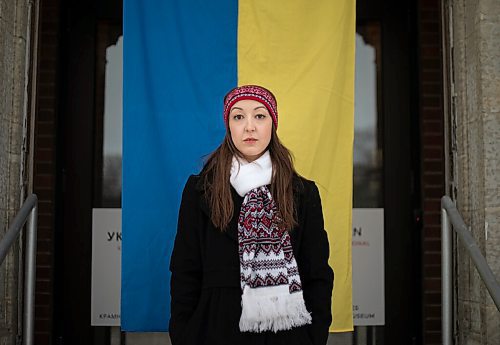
column 215, row 178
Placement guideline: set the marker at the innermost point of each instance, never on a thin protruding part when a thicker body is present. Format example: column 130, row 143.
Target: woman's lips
column 250, row 140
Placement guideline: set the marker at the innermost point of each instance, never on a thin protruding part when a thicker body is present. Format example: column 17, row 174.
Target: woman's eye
column 260, row 116
column 237, row 117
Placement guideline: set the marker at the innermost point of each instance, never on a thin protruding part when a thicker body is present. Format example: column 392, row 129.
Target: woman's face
column 250, row 125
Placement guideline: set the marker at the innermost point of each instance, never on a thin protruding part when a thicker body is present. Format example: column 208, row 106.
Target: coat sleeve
column 316, row 274
column 185, row 263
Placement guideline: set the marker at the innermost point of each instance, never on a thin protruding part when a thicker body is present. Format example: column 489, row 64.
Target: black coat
column 205, row 285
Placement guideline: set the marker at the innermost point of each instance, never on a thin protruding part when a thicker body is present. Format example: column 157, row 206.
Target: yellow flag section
column 303, row 51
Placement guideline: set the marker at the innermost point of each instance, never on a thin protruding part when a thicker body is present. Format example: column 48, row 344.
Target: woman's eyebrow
column 236, row 108
column 259, row 107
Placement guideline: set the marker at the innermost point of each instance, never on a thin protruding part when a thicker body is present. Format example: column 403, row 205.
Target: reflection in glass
column 112, row 131
column 367, row 188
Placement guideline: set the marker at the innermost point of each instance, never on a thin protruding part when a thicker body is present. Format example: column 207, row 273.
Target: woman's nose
column 250, row 127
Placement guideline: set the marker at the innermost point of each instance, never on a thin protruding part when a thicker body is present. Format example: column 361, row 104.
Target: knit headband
column 254, row 92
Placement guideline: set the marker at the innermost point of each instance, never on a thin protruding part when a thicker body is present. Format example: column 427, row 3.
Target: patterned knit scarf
column 272, row 293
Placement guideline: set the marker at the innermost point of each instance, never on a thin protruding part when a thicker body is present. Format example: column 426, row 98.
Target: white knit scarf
column 272, row 297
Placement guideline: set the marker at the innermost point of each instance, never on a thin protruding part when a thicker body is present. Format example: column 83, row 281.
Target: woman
column 250, row 259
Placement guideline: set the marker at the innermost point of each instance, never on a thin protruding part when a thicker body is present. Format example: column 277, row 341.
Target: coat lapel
column 232, row 230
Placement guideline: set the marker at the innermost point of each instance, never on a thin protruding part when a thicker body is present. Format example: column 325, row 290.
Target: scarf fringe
column 273, row 312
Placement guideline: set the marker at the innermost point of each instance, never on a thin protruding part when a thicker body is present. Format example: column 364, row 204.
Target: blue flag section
column 179, row 61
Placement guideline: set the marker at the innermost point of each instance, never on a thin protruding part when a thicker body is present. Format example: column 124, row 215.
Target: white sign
column 368, row 266
column 106, row 266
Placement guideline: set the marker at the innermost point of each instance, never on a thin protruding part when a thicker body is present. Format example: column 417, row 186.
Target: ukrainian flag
column 180, row 58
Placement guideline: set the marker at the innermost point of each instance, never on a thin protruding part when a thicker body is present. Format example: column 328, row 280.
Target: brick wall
column 432, row 151
column 45, row 167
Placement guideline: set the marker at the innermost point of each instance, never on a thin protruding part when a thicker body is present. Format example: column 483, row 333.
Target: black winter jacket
column 205, row 286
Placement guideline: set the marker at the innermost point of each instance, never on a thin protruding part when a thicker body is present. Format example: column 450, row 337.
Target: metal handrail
column 29, row 212
column 449, row 212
